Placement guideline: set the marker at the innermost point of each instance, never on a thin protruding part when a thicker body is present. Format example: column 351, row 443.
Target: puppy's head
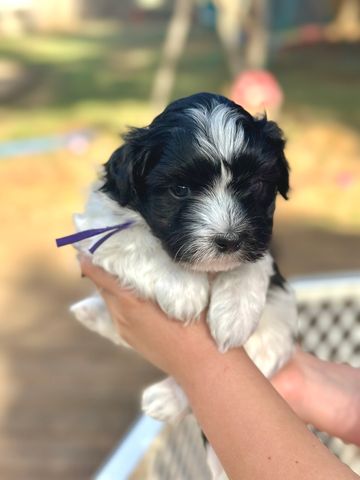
column 204, row 175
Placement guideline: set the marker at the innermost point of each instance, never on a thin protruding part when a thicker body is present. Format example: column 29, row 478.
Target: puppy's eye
column 180, row 191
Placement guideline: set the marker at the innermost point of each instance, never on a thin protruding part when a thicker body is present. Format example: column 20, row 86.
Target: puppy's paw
column 182, row 296
column 272, row 343
column 165, row 401
column 229, row 327
column 237, row 301
column 270, row 352
column 92, row 313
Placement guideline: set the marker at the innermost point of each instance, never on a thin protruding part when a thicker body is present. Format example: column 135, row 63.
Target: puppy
column 199, row 184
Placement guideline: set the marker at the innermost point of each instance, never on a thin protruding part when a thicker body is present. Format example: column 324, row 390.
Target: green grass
column 101, row 77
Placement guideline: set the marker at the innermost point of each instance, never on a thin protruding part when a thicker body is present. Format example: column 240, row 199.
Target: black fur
column 277, row 280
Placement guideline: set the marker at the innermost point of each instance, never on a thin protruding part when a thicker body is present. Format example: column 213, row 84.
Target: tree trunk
column 243, row 21
column 346, row 25
column 230, row 19
column 174, row 44
column 257, row 46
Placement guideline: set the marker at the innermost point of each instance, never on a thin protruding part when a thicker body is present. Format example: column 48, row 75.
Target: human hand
column 324, row 394
column 166, row 343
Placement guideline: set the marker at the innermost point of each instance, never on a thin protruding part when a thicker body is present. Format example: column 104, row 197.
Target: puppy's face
column 204, row 175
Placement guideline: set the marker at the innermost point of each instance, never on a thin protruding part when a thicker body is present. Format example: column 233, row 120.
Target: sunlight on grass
column 52, row 50
column 101, row 116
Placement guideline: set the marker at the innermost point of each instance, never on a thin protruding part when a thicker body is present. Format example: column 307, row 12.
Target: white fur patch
column 272, row 343
column 165, row 401
column 215, row 467
column 237, row 301
column 217, row 211
column 218, row 131
column 92, row 313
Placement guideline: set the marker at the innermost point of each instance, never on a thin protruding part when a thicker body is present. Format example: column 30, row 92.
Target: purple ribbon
column 77, row 237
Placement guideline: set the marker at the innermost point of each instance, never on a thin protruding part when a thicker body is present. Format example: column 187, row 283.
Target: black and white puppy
column 200, row 184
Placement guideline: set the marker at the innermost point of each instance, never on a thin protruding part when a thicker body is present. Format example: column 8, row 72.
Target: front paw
column 165, row 401
column 230, row 324
column 183, row 296
column 234, row 311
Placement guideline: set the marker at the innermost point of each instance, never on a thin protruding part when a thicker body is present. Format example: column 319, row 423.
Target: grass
column 92, row 78
column 99, row 76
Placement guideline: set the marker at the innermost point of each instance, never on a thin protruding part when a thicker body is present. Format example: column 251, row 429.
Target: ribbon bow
column 77, row 237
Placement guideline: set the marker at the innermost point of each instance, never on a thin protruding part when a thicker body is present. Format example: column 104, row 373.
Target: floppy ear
column 119, row 183
column 283, row 182
column 127, row 167
column 276, row 136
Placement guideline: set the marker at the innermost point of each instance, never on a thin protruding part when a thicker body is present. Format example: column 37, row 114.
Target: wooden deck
column 67, row 395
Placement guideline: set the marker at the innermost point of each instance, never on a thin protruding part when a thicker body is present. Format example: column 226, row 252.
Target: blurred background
column 73, row 75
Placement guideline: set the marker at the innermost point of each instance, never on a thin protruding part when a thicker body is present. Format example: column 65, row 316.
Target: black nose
column 227, row 243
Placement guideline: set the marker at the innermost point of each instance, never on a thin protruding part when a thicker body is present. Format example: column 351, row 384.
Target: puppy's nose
column 228, row 243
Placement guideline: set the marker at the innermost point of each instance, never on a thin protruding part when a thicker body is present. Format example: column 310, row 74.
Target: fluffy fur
column 200, row 182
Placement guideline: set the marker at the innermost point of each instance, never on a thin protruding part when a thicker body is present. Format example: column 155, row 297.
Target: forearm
column 253, row 431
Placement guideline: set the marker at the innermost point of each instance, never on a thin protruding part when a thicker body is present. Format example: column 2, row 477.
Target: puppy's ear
column 127, row 167
column 276, row 137
column 283, row 182
column 119, row 184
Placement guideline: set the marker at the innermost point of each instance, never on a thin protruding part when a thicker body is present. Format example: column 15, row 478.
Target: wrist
column 208, row 366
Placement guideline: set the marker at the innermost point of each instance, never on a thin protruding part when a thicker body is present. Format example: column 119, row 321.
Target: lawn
column 102, row 76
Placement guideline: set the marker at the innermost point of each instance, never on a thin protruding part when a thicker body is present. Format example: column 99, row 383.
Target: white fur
column 215, row 467
column 93, row 314
column 237, row 301
column 218, row 132
column 272, row 343
column 165, row 401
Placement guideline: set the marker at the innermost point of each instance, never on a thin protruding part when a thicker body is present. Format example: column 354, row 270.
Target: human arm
column 253, row 431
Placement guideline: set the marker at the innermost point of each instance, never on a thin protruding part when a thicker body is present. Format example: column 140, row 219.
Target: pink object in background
column 345, row 179
column 257, row 91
